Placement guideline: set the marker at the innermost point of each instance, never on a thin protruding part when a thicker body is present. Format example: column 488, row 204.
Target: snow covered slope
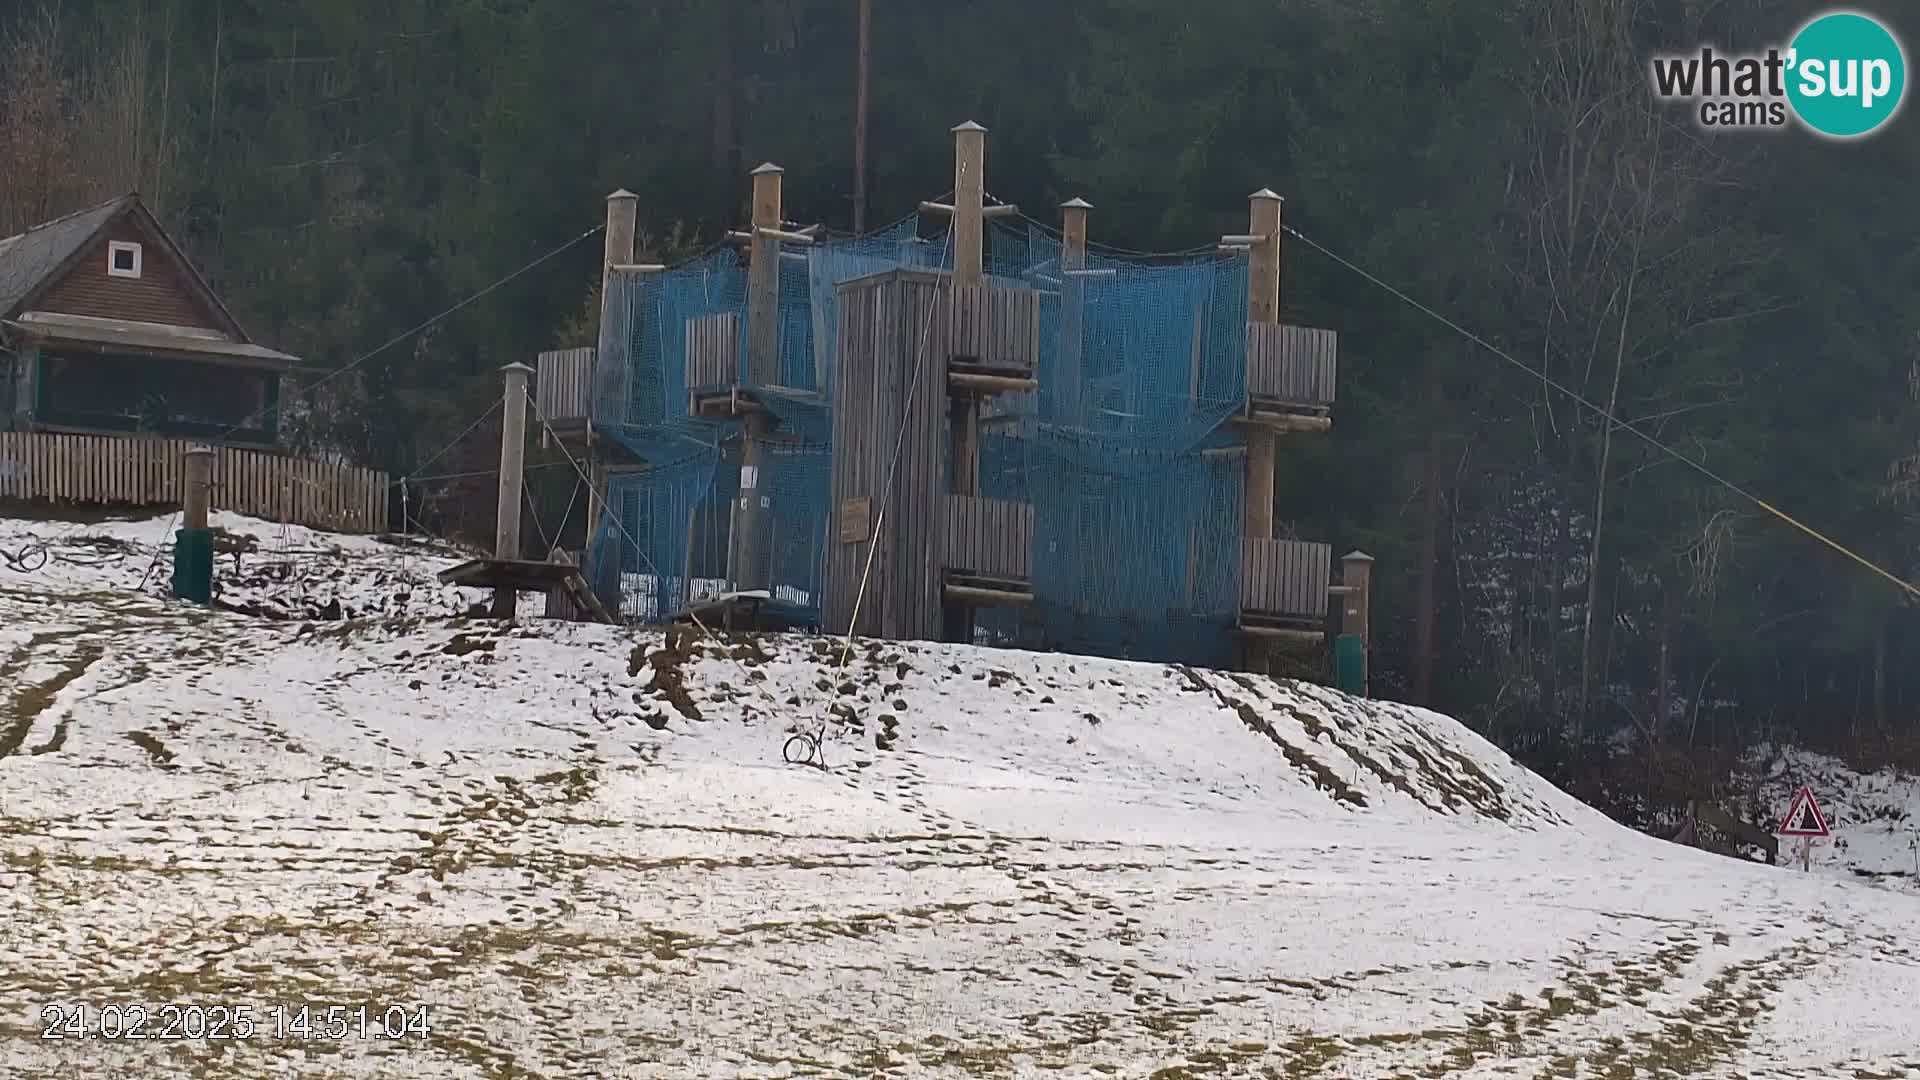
column 579, row 848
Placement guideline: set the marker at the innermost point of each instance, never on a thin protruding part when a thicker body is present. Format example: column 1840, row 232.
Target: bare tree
column 74, row 133
column 38, row 177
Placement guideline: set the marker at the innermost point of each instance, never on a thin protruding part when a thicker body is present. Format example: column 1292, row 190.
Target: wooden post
column 196, row 499
column 763, row 280
column 969, row 202
column 1263, row 306
column 969, row 195
column 1263, row 272
column 969, row 239
column 513, row 450
column 748, row 551
column 1356, row 573
column 623, row 214
column 1070, row 402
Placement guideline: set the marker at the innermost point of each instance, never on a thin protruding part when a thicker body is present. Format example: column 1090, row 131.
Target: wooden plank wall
column 564, row 384
column 1285, row 577
column 134, row 471
column 990, row 537
column 713, row 350
column 994, row 326
column 884, row 333
column 1291, row 364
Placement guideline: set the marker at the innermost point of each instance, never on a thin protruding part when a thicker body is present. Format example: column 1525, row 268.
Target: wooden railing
column 563, row 385
column 1285, row 577
column 1293, row 365
column 130, row 470
column 995, row 327
column 713, row 350
column 990, row 537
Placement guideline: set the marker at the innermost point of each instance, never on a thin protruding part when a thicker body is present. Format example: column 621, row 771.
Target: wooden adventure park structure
column 997, row 434
column 116, row 356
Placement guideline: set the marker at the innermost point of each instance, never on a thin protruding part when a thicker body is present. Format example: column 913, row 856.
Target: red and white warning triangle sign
column 1804, row 817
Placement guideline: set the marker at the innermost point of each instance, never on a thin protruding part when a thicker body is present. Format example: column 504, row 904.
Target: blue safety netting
column 1134, row 476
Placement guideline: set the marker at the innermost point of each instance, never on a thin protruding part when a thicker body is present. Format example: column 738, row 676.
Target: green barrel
column 193, row 565
column 1350, row 664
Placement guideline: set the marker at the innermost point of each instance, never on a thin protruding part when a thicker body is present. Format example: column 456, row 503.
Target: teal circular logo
column 1847, row 75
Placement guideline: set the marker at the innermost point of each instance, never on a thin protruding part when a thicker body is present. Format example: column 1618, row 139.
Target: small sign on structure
column 1804, row 817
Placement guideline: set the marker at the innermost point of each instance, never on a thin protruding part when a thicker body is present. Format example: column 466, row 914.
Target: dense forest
column 1597, row 604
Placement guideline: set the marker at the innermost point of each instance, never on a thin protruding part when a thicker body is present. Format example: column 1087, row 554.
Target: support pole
column 193, row 546
column 750, row 567
column 969, row 238
column 1070, row 392
column 1263, row 273
column 1356, row 573
column 1263, row 306
column 513, row 451
column 623, row 215
column 969, row 199
column 196, row 499
column 763, row 280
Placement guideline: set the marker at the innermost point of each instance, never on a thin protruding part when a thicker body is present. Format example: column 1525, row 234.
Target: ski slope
column 578, row 849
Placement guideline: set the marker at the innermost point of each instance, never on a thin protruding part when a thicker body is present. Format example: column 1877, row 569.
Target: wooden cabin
column 107, row 328
column 116, row 357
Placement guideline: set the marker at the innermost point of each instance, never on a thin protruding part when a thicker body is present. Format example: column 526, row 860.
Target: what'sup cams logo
column 1843, row 76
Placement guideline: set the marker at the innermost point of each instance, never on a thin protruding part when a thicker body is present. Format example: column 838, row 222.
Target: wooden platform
column 526, row 575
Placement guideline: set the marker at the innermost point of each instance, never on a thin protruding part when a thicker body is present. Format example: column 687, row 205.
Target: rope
column 451, row 443
column 1912, row 590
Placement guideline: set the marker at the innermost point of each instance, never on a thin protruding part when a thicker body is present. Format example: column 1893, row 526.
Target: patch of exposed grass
column 155, row 749
column 30, row 700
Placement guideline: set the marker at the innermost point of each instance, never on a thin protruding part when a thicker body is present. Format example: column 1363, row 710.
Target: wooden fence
column 713, row 350
column 135, row 471
column 990, row 537
column 994, row 326
column 1294, row 365
column 563, row 387
column 1285, row 577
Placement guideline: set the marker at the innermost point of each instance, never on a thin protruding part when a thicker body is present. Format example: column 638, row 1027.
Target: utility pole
column 513, row 450
column 861, row 101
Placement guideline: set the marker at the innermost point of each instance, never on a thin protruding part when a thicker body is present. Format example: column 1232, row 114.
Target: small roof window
column 123, row 259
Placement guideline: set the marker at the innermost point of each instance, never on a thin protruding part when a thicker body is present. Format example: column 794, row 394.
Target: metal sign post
column 1805, row 821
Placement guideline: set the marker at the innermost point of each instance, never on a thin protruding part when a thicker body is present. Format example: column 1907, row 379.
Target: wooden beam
column 782, row 235
column 1286, row 634
column 974, row 594
column 1283, row 423
column 989, row 384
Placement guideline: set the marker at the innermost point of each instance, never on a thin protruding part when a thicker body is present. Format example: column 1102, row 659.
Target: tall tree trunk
column 860, row 107
column 1600, row 510
column 1880, row 677
column 1425, row 590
